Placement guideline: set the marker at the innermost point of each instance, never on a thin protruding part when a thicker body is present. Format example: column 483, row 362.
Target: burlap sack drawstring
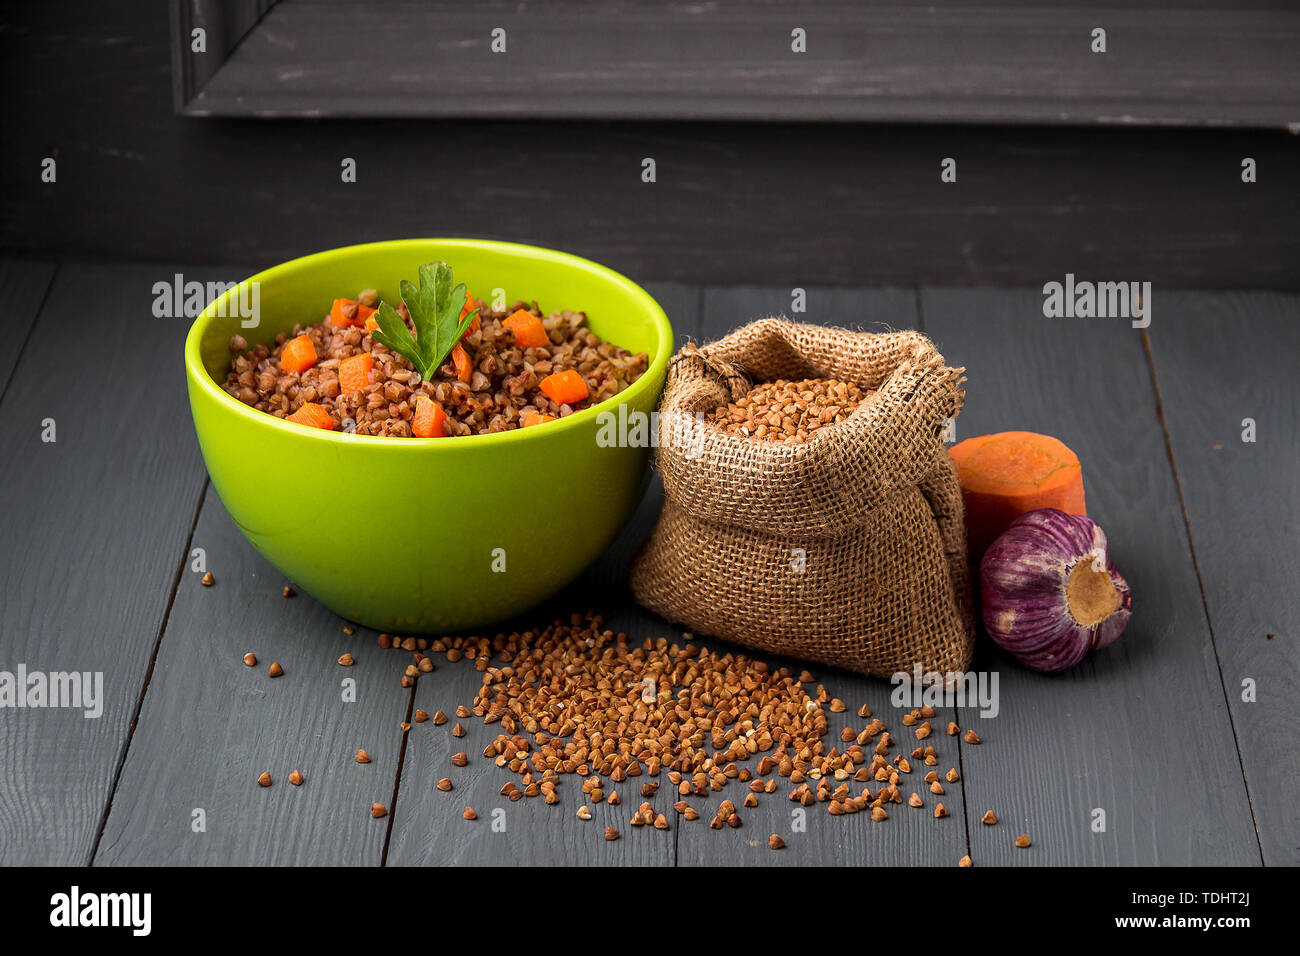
column 848, row 549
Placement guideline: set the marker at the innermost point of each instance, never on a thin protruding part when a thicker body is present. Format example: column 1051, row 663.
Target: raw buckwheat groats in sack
column 846, row 548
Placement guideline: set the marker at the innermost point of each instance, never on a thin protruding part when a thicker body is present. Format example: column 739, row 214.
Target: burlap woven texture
column 849, row 549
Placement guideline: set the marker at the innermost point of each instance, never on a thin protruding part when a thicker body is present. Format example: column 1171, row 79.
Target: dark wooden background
column 848, row 204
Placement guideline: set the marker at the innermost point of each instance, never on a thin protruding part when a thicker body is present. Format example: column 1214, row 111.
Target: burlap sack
column 873, row 503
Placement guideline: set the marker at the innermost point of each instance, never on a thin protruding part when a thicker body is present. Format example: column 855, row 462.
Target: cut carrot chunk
column 1005, row 475
column 528, row 329
column 338, row 316
column 298, row 354
column 469, row 306
column 354, row 372
column 371, row 323
column 311, row 415
column 464, row 367
column 565, row 388
column 527, row 420
column 429, row 421
column 364, row 312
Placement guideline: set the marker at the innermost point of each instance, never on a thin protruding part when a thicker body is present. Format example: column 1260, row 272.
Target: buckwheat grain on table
column 575, row 698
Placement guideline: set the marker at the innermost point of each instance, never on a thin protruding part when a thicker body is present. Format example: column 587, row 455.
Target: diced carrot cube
column 469, row 306
column 354, row 372
column 337, row 314
column 527, row 421
column 313, row 416
column 527, row 328
column 298, row 354
column 464, row 367
column 429, row 421
column 565, row 388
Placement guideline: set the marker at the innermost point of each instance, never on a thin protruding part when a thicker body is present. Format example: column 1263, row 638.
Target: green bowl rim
column 198, row 373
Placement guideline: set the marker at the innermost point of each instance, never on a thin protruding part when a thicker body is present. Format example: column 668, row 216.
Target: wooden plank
column 210, row 725
column 1221, row 358
column 428, row 829
column 98, row 521
column 23, row 286
column 847, row 204
column 894, row 62
column 910, row 836
column 1140, row 730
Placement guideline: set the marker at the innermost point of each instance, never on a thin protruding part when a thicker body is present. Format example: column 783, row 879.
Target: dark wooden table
column 1185, row 735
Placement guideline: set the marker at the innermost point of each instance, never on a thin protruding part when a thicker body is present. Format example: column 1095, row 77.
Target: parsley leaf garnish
column 435, row 312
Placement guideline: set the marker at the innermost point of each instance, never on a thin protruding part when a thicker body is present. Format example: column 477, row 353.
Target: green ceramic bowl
column 408, row 534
